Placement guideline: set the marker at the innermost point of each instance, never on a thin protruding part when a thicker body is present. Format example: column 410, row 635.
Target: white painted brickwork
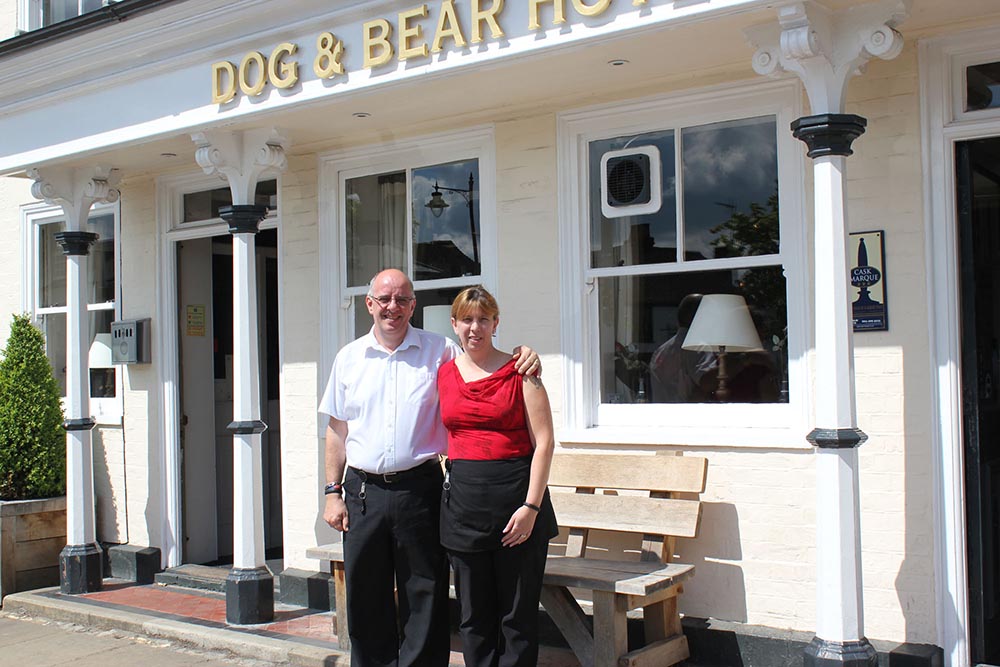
column 301, row 378
column 892, row 369
column 143, row 449
column 13, row 193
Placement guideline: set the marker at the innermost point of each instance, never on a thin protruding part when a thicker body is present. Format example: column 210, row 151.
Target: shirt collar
column 412, row 339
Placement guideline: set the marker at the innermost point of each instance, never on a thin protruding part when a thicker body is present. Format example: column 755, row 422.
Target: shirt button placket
column 390, row 413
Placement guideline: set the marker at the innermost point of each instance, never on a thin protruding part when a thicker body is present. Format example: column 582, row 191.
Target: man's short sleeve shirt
column 389, row 400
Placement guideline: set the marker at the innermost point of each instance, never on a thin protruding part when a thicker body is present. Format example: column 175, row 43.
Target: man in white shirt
column 385, row 429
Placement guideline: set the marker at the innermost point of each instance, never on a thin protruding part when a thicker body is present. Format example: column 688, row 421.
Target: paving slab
column 180, row 619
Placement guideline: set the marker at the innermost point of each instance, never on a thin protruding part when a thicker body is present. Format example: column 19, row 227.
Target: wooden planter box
column 32, row 533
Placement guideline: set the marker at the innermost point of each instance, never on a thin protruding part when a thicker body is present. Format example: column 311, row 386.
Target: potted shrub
column 32, row 463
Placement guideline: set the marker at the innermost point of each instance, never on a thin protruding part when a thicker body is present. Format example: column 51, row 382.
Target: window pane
column 636, row 239
column 101, row 262
column 434, row 297
column 54, row 328
column 446, row 241
column 51, row 267
column 205, row 205
column 376, row 226
column 731, row 189
column 643, row 320
column 102, row 374
column 982, row 88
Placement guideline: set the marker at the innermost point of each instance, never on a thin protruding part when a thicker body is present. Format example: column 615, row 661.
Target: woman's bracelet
column 532, row 507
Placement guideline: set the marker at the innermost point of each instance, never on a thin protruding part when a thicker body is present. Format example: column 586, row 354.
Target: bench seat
column 654, row 497
column 624, row 578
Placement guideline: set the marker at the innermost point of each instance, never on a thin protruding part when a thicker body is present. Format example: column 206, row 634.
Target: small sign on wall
column 196, row 320
column 866, row 252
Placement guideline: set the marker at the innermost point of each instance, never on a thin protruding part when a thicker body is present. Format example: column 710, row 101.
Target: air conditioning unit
column 630, row 182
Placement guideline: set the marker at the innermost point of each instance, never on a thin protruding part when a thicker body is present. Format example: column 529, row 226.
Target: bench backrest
column 657, row 513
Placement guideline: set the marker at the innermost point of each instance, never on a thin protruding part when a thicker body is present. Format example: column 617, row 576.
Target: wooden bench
column 639, row 494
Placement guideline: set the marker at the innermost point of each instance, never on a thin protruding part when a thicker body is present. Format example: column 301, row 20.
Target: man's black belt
column 395, row 477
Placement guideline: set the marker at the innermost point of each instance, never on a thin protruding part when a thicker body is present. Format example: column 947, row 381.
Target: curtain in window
column 392, row 221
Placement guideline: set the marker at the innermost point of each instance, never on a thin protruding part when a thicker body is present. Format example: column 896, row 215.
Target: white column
column 243, row 157
column 825, row 49
column 248, row 538
column 839, row 613
column 76, row 190
column 80, row 459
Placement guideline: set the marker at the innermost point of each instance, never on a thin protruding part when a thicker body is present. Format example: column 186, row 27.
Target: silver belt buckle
column 389, row 477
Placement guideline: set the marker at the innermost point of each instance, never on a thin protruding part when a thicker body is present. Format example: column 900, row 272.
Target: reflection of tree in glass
column 751, row 233
column 746, row 234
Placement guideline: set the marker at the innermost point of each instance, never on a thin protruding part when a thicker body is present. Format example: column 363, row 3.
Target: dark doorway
column 205, row 298
column 978, row 197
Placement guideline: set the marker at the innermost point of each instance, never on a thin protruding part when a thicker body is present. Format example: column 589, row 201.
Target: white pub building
column 196, row 194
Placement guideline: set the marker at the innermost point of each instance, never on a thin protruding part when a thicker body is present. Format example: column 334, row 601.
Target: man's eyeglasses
column 401, row 301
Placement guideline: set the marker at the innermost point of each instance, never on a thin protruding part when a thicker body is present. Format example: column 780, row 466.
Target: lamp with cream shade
column 438, row 320
column 722, row 324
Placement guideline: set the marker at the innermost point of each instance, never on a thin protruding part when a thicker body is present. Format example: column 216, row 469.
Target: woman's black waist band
column 425, row 468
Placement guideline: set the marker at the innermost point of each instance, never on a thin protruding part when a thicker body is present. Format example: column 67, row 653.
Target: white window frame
column 944, row 122
column 29, row 14
column 336, row 168
column 960, row 64
column 736, row 425
column 106, row 411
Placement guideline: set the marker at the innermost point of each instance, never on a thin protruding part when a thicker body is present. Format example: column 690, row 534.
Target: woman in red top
column 496, row 517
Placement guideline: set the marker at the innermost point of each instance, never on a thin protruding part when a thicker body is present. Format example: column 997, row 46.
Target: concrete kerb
column 271, row 649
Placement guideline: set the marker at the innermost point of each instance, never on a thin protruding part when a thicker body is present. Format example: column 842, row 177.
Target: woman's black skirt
column 481, row 499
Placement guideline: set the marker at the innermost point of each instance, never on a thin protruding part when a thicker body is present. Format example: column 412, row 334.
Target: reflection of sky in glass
column 608, row 236
column 727, row 166
column 983, row 87
column 454, row 224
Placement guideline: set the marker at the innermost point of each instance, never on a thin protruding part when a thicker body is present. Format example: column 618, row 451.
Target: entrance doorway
column 978, row 196
column 205, row 302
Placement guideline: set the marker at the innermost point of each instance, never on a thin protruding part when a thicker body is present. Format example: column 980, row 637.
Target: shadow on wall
column 716, row 553
column 109, row 478
column 914, row 581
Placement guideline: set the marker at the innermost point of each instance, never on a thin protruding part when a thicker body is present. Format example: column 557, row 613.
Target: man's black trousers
column 393, row 538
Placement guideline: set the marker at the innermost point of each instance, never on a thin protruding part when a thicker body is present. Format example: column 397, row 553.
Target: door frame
column 942, row 64
column 170, row 191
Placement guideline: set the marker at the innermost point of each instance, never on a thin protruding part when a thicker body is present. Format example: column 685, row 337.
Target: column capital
column 829, row 133
column 825, row 49
column 75, row 189
column 243, row 219
column 75, row 243
column 241, row 157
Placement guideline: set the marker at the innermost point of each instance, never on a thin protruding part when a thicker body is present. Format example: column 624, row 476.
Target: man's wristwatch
column 334, row 488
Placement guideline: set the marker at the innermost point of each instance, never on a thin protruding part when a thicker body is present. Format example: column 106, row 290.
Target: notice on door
column 196, row 320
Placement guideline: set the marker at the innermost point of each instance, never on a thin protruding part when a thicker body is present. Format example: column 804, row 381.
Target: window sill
column 732, row 437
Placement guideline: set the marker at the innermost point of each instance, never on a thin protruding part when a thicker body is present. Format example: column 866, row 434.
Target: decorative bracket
column 75, row 190
column 825, row 49
column 242, row 158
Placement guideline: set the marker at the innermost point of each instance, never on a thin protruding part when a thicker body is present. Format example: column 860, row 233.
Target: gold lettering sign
column 223, row 82
column 489, row 17
column 409, row 32
column 379, row 42
column 281, row 70
column 558, row 13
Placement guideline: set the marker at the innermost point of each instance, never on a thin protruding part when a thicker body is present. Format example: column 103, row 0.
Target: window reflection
column 637, row 239
column 730, row 189
column 643, row 321
column 445, row 205
column 982, row 88
column 376, row 225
